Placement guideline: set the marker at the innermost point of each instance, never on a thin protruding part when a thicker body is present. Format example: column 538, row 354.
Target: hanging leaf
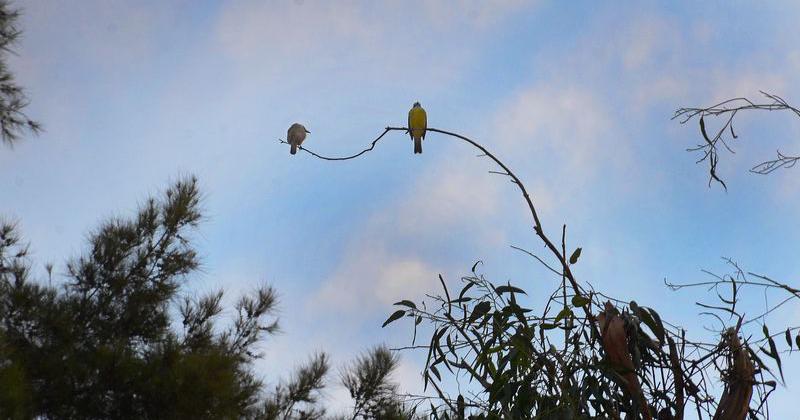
column 575, row 255
column 436, row 372
column 408, row 303
column 508, row 289
column 703, row 130
column 464, row 290
column 474, row 266
column 647, row 317
column 480, row 310
column 394, row 317
column 659, row 331
column 563, row 314
column 789, row 338
column 580, row 300
column 773, row 352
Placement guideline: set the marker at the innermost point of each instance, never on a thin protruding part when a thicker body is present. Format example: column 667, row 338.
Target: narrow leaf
column 480, row 310
column 394, row 317
column 579, row 301
column 703, row 130
column 435, row 372
column 773, row 352
column 408, row 303
column 508, row 289
column 464, row 290
column 659, row 331
column 563, row 314
column 575, row 255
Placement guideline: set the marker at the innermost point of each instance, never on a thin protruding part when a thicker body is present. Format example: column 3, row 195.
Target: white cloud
column 324, row 41
column 369, row 277
column 553, row 121
column 395, row 254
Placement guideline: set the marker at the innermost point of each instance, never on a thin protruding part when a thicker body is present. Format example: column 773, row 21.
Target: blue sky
column 576, row 98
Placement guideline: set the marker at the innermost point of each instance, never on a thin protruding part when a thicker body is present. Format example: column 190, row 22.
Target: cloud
column 317, row 42
column 370, row 277
column 399, row 249
column 553, row 121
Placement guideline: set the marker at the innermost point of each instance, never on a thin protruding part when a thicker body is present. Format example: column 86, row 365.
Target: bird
column 295, row 136
column 417, row 124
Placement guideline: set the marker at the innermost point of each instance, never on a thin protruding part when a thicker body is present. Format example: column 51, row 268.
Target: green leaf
column 474, row 266
column 773, row 352
column 394, row 317
column 480, row 310
column 408, row 303
column 461, row 300
column 508, row 289
column 563, row 314
column 646, row 318
column 464, row 290
column 659, row 331
column 547, row 326
column 575, row 255
column 580, row 300
column 435, row 372
column 703, row 130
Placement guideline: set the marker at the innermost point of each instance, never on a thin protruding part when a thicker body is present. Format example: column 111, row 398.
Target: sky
column 576, row 97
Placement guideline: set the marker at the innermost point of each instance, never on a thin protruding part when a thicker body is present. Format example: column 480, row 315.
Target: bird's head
column 298, row 126
column 417, row 105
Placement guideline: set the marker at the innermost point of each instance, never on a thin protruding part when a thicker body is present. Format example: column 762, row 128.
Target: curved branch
column 729, row 108
column 537, row 224
column 372, row 146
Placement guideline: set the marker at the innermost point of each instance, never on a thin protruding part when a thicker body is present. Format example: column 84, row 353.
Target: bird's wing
column 409, row 124
column 293, row 136
column 424, row 122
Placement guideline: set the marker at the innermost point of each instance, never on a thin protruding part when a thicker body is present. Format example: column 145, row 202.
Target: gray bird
column 295, row 136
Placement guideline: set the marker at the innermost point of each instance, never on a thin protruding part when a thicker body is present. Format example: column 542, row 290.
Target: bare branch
column 728, row 109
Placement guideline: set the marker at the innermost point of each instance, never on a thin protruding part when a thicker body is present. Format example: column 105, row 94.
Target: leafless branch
column 711, row 145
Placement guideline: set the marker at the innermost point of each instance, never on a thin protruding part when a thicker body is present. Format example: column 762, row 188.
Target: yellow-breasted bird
column 417, row 124
column 295, row 136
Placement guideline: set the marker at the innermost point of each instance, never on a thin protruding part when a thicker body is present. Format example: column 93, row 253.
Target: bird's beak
column 308, row 132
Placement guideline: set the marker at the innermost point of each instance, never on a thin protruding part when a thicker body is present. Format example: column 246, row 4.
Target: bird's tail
column 294, row 149
column 417, row 145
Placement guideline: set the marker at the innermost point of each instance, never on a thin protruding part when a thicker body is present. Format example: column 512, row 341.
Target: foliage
column 560, row 364
column 368, row 381
column 105, row 345
column 299, row 397
column 585, row 355
column 13, row 121
column 102, row 347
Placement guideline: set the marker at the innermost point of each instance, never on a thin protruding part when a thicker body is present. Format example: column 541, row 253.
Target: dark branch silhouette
column 664, row 370
column 537, row 224
column 14, row 123
column 728, row 109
